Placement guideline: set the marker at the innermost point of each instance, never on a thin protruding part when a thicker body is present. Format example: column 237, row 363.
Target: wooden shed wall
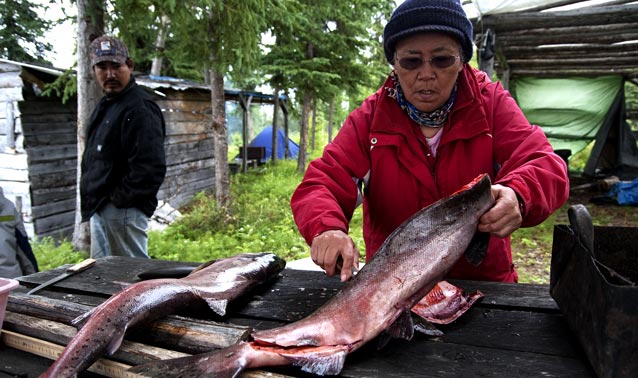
column 44, row 172
column 50, row 143
column 188, row 145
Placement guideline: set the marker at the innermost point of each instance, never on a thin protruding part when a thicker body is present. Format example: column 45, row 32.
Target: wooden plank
column 52, row 180
column 189, row 147
column 20, row 175
column 57, row 234
column 39, row 108
column 54, row 222
column 48, row 153
column 41, row 196
column 183, row 117
column 202, row 158
column 174, row 332
column 189, row 166
column 185, row 138
column 42, row 139
column 52, row 351
column 431, row 358
column 13, row 161
column 52, row 208
column 60, row 124
column 132, row 353
column 185, row 128
column 11, row 94
column 65, row 166
column 578, row 17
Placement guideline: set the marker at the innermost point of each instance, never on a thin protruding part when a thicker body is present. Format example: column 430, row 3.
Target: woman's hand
column 505, row 216
column 335, row 252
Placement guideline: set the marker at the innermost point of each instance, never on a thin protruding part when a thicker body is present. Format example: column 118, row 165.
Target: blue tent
column 264, row 139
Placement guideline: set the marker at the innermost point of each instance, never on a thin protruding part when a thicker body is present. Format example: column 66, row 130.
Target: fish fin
column 202, row 266
column 327, row 361
column 217, row 305
column 79, row 321
column 424, row 327
column 402, row 328
column 477, row 249
column 221, row 363
column 115, row 342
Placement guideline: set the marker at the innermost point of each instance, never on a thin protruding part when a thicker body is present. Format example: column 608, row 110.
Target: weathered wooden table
column 516, row 330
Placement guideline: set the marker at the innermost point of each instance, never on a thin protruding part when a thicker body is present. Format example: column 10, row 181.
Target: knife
column 168, row 272
column 74, row 269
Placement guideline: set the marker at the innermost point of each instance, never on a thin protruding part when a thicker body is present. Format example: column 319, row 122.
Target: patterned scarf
column 435, row 118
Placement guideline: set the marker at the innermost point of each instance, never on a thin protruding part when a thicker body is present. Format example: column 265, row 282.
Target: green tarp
column 571, row 110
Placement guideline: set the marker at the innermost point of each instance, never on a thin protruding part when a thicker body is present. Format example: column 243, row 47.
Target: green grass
column 261, row 220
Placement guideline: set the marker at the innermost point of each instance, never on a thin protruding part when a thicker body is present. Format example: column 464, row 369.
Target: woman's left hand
column 505, row 216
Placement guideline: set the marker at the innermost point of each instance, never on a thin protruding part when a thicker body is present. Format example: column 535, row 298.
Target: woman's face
column 427, row 65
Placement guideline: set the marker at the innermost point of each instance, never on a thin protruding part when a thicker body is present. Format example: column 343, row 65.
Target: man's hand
column 505, row 216
column 335, row 252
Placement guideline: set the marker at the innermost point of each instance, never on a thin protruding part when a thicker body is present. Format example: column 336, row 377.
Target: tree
column 90, row 26
column 21, row 31
column 325, row 49
column 220, row 37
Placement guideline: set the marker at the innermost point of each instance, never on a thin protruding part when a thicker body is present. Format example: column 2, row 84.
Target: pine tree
column 22, row 31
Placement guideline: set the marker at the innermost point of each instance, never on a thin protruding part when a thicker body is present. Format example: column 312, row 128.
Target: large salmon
column 216, row 282
column 414, row 258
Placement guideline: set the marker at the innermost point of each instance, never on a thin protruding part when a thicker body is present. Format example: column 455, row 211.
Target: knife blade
column 168, row 272
column 74, row 269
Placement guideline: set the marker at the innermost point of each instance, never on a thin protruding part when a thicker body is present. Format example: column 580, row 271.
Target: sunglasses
column 414, row 62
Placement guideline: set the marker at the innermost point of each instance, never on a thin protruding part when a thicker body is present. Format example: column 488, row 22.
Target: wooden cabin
column 38, row 144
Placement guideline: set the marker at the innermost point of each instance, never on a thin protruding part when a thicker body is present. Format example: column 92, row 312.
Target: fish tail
column 326, row 360
column 222, row 363
column 229, row 362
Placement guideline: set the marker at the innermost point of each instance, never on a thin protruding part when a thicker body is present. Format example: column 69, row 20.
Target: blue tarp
column 625, row 192
column 264, row 139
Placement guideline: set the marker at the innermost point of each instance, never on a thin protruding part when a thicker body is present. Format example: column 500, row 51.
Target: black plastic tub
column 598, row 296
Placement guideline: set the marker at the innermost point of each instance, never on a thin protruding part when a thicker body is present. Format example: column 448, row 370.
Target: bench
column 254, row 155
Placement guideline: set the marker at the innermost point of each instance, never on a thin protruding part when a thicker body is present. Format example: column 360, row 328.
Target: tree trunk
column 90, row 26
column 160, row 44
column 331, row 118
column 275, row 114
column 303, row 132
column 314, row 124
column 218, row 119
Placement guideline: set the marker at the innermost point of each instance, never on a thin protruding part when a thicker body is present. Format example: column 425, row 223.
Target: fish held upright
column 412, row 260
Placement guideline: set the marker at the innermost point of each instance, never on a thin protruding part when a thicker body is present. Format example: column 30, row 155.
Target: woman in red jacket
column 434, row 125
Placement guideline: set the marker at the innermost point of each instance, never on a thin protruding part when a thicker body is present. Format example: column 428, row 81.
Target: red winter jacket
column 382, row 148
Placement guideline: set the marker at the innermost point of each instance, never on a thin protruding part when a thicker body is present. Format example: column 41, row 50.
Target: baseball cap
column 108, row 49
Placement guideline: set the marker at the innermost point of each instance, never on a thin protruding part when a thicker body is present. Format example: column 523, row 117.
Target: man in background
column 123, row 164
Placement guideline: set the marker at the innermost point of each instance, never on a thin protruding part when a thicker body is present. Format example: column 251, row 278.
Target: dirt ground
column 606, row 214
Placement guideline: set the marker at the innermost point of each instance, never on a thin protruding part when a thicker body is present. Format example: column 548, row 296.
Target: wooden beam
column 564, row 39
column 602, row 15
column 591, row 50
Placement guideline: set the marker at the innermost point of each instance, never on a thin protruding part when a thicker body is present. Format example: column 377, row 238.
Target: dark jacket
column 124, row 160
column 381, row 147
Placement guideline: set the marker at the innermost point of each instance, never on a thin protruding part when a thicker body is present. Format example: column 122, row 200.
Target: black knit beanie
column 415, row 16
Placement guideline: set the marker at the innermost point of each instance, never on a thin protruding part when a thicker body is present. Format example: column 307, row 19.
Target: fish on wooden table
column 412, row 260
column 217, row 283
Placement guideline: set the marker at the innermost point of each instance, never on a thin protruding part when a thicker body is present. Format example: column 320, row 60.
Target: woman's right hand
column 335, row 252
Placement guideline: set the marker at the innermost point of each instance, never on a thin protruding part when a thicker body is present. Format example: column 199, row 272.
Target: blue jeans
column 119, row 232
